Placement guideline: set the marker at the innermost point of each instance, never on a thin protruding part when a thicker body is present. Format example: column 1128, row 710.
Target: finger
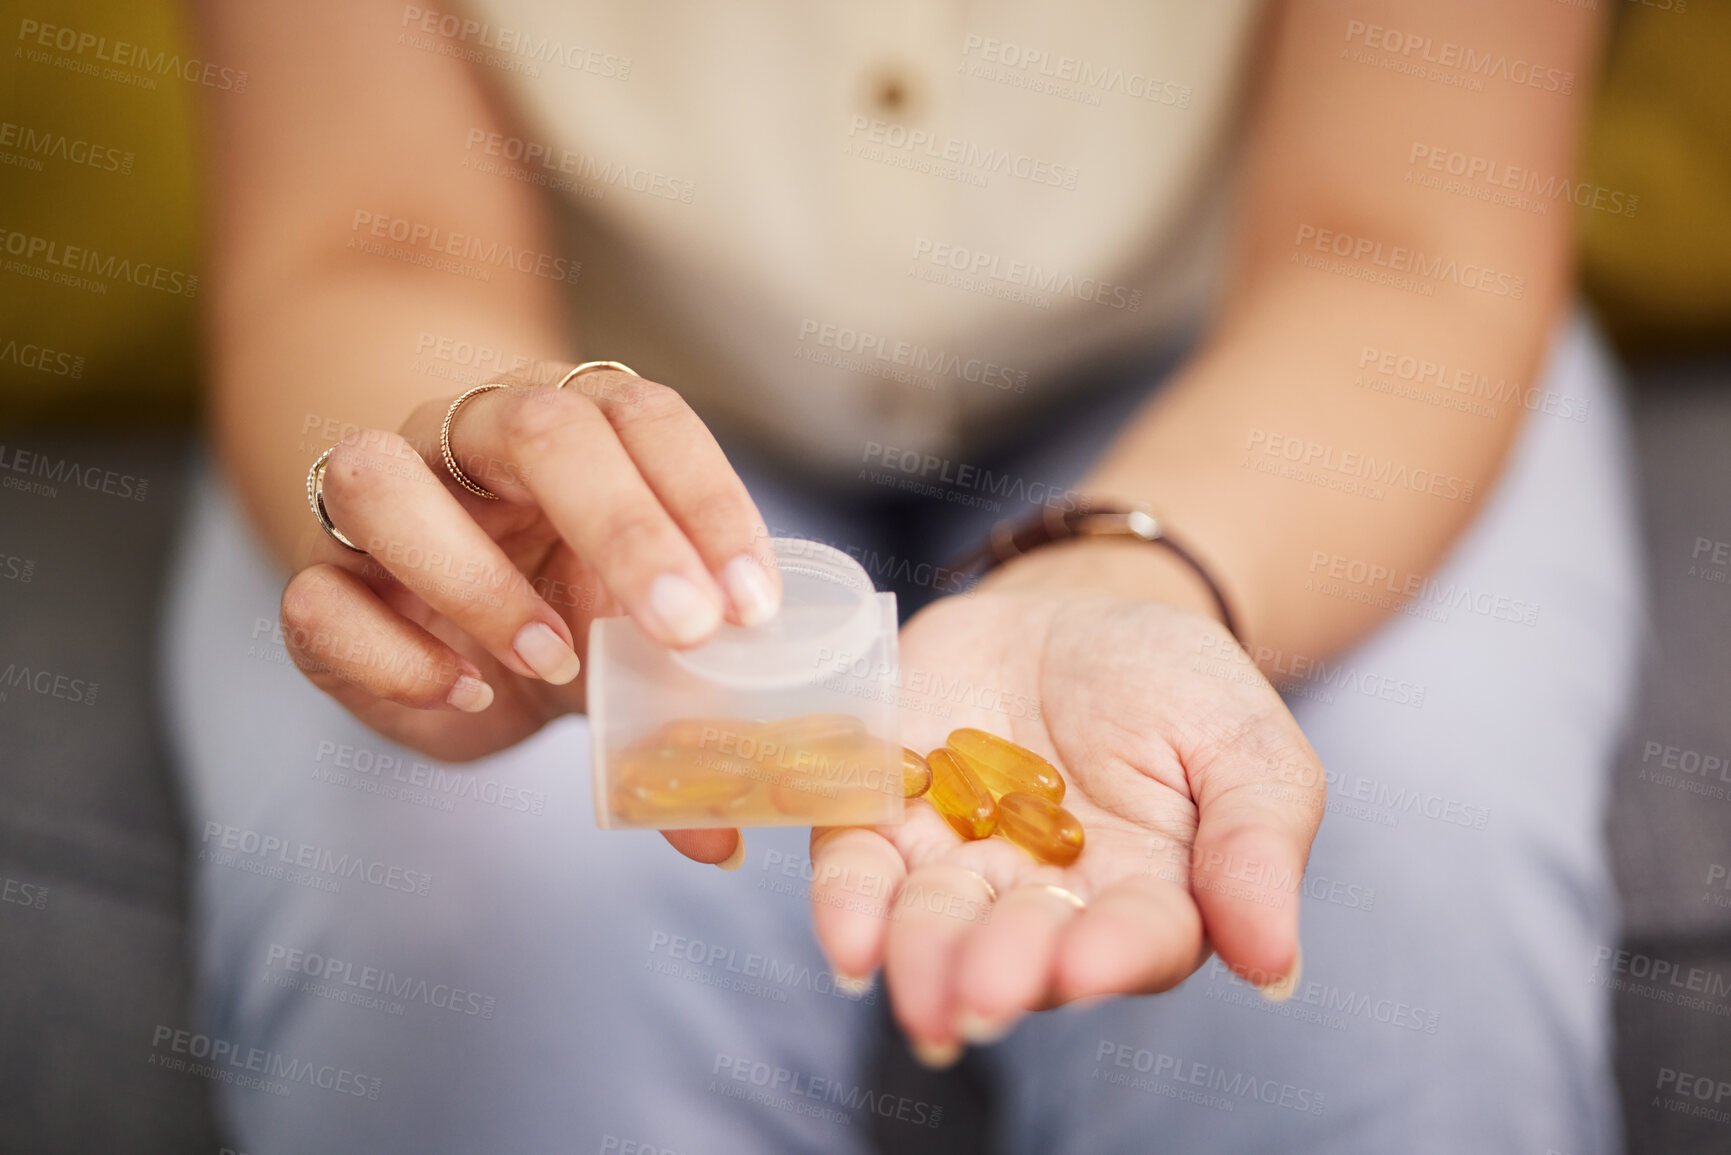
column 565, row 456
column 343, row 636
column 1005, row 966
column 383, row 496
column 723, row 847
column 684, row 465
column 1259, row 802
column 935, row 909
column 1137, row 936
column 854, row 873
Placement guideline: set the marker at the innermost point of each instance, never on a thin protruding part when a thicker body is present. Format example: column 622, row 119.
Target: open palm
column 1198, row 793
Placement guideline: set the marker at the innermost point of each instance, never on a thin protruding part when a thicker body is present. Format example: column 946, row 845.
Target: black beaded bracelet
column 1088, row 519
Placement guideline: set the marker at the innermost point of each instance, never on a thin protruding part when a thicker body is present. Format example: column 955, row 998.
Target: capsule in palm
column 960, row 797
column 1041, row 827
column 916, row 774
column 1004, row 767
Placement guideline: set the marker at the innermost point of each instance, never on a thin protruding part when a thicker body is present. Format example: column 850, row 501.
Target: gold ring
column 991, row 891
column 1068, row 896
column 462, row 478
column 316, row 499
column 591, row 366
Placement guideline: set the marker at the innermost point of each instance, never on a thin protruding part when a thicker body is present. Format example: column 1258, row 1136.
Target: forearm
column 1273, row 458
column 1275, row 454
column 346, row 156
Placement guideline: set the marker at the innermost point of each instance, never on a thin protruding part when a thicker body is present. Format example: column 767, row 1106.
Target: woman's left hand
column 1197, row 791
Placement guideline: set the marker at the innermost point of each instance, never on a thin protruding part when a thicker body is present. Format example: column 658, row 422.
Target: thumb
column 1257, row 816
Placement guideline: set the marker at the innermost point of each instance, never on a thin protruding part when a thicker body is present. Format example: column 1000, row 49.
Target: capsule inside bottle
column 916, row 774
column 836, row 782
column 821, row 769
column 1004, row 767
column 965, row 804
column 657, row 784
column 1041, row 827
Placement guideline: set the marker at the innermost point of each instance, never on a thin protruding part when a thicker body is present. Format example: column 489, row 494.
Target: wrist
column 1114, row 567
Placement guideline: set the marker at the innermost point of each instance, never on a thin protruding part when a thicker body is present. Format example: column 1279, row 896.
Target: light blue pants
column 396, row 955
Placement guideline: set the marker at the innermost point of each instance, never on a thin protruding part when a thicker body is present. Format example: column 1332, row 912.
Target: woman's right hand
column 457, row 631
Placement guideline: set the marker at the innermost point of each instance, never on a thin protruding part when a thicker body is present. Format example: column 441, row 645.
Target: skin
column 1199, row 793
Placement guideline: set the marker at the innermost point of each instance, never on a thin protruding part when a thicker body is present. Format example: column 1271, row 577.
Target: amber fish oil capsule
column 837, row 783
column 1004, row 767
column 959, row 796
column 662, row 783
column 916, row 774
column 1041, row 827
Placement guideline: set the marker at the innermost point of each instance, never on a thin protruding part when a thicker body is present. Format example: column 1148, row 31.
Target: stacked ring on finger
column 625, row 482
column 463, row 479
column 316, row 499
column 592, row 366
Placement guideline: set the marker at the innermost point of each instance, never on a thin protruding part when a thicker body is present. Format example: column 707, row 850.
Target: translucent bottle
column 791, row 723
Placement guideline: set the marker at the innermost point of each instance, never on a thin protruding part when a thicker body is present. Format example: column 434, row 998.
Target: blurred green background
column 139, row 345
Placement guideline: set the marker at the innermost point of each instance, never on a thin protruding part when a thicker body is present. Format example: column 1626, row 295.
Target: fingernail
column 936, row 1056
column 750, row 590
column 737, row 859
column 854, row 988
column 545, row 652
column 688, row 615
column 470, row 694
column 1279, row 990
column 979, row 1030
